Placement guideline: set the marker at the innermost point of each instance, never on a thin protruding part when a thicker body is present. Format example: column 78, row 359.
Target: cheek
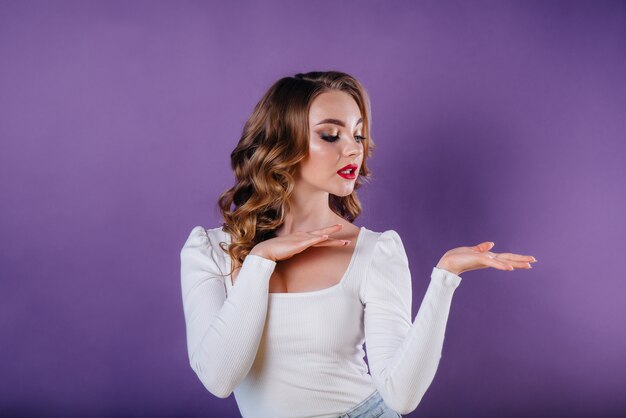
column 320, row 155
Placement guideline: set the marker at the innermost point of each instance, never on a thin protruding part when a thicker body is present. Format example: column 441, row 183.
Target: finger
column 518, row 264
column 484, row 246
column 318, row 238
column 517, row 258
column 332, row 242
column 327, row 230
column 326, row 240
column 314, row 240
column 506, row 263
column 500, row 265
column 520, row 257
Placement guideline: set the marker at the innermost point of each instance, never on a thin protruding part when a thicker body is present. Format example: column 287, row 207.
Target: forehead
column 334, row 104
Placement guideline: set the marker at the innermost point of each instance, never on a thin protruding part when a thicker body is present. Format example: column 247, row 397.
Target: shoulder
column 202, row 249
column 387, row 239
column 201, row 231
column 384, row 238
column 387, row 267
column 381, row 246
column 202, row 236
column 388, row 245
column 389, row 235
column 216, row 233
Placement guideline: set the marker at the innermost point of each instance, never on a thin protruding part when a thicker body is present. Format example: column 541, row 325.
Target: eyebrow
column 337, row 122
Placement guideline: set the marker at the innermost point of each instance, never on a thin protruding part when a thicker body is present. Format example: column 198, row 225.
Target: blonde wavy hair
column 274, row 140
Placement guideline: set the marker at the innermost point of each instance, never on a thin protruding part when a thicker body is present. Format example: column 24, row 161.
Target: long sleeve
column 223, row 333
column 403, row 356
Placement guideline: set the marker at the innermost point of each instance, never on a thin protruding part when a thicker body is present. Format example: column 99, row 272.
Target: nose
column 352, row 148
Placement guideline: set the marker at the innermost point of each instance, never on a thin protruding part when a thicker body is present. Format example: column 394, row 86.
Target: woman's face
column 335, row 141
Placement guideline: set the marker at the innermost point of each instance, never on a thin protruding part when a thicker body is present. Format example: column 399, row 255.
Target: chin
column 344, row 193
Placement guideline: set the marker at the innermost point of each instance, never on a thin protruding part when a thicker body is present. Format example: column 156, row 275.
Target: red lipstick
column 351, row 175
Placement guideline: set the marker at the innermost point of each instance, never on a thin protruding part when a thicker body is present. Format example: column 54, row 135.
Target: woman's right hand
column 286, row 246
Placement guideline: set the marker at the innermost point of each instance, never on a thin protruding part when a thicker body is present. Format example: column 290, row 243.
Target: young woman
column 279, row 300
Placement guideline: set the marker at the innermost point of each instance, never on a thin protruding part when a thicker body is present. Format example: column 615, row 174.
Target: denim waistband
column 370, row 407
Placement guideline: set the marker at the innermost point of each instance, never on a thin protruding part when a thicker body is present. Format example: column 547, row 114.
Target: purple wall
column 501, row 121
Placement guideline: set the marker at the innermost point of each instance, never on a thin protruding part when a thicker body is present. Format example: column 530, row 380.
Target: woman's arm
column 223, row 334
column 403, row 356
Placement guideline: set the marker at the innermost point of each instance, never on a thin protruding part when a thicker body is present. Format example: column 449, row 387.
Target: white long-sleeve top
column 301, row 354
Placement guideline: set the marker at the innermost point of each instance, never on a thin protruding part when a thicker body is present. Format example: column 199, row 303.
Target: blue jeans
column 372, row 407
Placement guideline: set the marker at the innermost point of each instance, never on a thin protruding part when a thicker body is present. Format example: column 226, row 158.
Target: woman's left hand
column 464, row 259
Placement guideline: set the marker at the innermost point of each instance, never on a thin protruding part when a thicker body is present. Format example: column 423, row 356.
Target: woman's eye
column 333, row 138
column 330, row 138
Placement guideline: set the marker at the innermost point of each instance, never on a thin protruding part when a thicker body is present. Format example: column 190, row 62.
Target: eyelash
column 327, row 137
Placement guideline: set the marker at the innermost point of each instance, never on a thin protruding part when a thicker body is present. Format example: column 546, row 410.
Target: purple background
column 500, row 121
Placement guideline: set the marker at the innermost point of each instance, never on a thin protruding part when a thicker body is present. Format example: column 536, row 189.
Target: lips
column 351, row 166
column 351, row 174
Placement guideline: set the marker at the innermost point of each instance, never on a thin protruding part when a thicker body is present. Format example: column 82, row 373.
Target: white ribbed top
column 301, row 354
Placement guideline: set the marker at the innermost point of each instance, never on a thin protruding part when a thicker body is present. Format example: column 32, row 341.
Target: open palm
column 462, row 259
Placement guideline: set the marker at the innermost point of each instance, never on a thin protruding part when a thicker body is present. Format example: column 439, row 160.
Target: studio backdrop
column 497, row 121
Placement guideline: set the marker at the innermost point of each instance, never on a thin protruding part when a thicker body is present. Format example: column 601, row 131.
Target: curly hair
column 274, row 140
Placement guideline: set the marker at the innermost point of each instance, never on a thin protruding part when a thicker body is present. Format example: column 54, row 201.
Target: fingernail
column 534, row 259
